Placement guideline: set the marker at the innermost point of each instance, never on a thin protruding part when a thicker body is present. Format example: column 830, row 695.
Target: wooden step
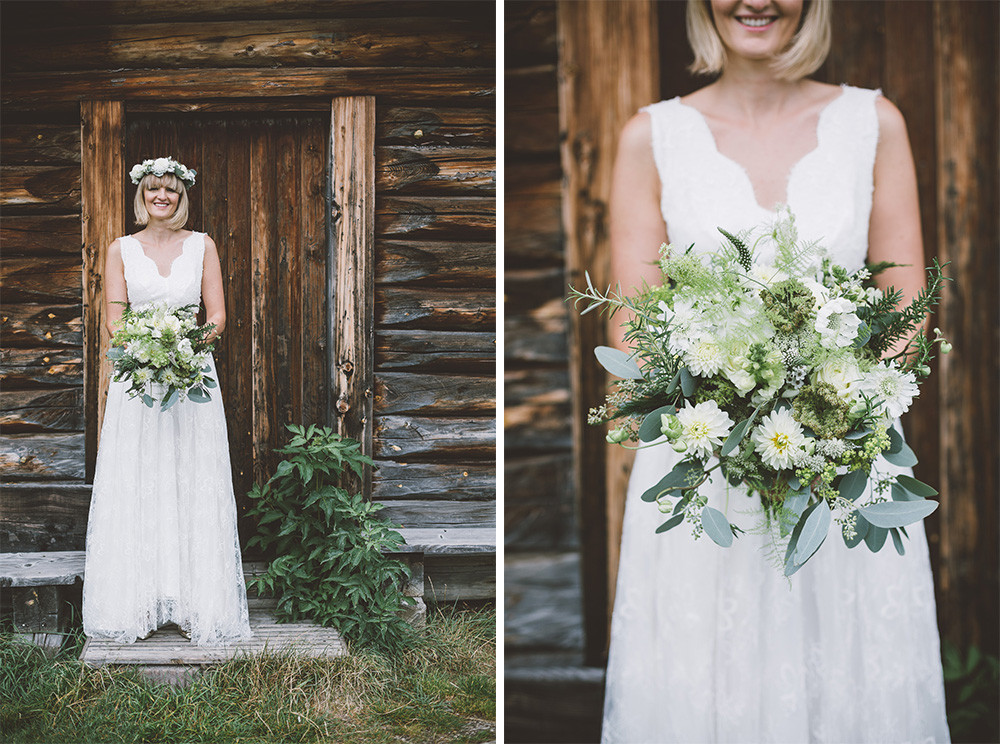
column 166, row 657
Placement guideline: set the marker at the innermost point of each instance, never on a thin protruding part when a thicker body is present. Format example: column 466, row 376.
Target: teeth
column 755, row 21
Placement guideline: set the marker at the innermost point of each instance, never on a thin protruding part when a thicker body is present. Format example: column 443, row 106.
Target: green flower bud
column 617, row 436
column 945, row 347
column 670, row 427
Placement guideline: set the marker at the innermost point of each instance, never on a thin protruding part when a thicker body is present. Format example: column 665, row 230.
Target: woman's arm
column 115, row 290
column 894, row 230
column 636, row 225
column 211, row 290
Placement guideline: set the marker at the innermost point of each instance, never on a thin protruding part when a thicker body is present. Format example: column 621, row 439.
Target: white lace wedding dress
column 162, row 545
column 715, row 645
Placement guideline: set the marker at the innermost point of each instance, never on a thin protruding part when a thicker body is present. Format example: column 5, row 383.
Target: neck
column 158, row 229
column 753, row 90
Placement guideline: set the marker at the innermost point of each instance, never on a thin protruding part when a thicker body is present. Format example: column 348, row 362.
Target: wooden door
column 261, row 195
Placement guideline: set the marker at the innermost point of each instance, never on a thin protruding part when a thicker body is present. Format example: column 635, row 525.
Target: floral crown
column 160, row 167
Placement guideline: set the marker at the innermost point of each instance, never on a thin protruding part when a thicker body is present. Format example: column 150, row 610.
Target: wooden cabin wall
column 541, row 537
column 430, row 66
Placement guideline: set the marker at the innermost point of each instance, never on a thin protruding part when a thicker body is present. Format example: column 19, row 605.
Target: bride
column 162, row 546
column 712, row 644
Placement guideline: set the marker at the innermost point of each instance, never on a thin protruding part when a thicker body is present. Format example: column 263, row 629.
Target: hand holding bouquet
column 163, row 354
column 778, row 373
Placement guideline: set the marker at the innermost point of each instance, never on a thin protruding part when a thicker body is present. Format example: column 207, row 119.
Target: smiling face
column 160, row 197
column 756, row 29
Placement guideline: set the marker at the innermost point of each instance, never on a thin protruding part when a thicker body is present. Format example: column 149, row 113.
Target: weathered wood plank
column 41, row 457
column 41, row 410
column 434, row 395
column 593, row 106
column 409, row 125
column 535, row 237
column 33, row 367
column 531, row 121
column 40, row 187
column 42, row 569
column 45, row 90
column 399, row 437
column 530, row 33
column 539, row 503
column 41, row 516
column 433, row 514
column 41, row 279
column 537, row 410
column 451, row 578
column 528, row 289
column 451, row 540
column 435, row 170
column 437, row 263
column 25, row 325
column 40, row 235
column 437, row 309
column 102, row 130
column 39, row 144
column 436, row 217
column 538, row 337
column 426, row 351
column 443, row 481
column 320, row 42
column 352, row 344
column 553, row 704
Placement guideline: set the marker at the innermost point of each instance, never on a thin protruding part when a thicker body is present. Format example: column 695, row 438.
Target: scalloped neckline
column 156, row 266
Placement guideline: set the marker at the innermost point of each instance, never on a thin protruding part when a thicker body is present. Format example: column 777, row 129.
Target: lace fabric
column 162, row 544
column 715, row 645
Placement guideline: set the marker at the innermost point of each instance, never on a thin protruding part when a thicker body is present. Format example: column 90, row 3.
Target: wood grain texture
column 40, row 235
column 443, row 481
column 600, row 89
column 41, row 410
column 435, row 263
column 436, row 513
column 423, row 438
column 451, row 578
column 435, row 351
column 102, row 172
column 417, row 125
column 436, row 218
column 41, row 325
column 39, row 144
column 43, row 516
column 537, row 412
column 56, row 568
column 332, row 42
column 42, row 457
column 352, row 324
column 41, row 279
column 966, row 73
column 49, row 90
column 434, row 395
column 20, row 368
column 39, row 188
column 435, row 170
column 440, row 309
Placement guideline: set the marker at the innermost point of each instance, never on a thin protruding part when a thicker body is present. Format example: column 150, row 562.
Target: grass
column 441, row 689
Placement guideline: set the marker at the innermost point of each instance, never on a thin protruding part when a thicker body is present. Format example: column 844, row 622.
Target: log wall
column 429, row 66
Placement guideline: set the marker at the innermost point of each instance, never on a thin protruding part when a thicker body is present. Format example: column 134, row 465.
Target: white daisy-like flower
column 778, row 439
column 837, row 324
column 843, row 373
column 895, row 389
column 704, row 357
column 703, row 427
column 766, row 275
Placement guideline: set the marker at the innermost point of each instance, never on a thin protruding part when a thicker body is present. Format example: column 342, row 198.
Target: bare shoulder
column 115, row 249
column 891, row 124
column 209, row 243
column 636, row 135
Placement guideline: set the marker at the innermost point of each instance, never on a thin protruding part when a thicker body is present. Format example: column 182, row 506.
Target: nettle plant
column 330, row 565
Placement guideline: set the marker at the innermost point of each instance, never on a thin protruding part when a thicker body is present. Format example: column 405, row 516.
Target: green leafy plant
column 329, row 545
column 972, row 683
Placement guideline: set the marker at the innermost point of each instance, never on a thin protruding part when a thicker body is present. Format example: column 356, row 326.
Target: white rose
column 842, row 372
column 161, row 166
column 137, row 172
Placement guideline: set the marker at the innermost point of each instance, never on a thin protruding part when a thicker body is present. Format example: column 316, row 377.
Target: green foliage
column 329, row 544
column 972, row 687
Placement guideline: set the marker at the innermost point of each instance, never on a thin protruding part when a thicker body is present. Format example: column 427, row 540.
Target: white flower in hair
column 136, row 173
column 161, row 166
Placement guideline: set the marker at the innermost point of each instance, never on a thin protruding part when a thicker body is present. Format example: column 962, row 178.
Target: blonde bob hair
column 180, row 216
column 804, row 55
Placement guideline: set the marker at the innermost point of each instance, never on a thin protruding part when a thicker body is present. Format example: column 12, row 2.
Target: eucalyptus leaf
column 737, row 434
column 916, row 487
column 649, row 430
column 688, row 383
column 676, row 478
column 853, row 484
column 814, row 532
column 198, row 395
column 861, row 527
column 148, row 400
column 169, row 399
column 901, row 494
column 875, row 538
column 670, row 523
column 864, row 335
column 674, row 382
column 897, row 541
column 904, row 458
column 209, row 382
column 797, row 502
column 897, row 513
column 859, row 434
column 895, row 441
column 793, row 541
column 115, row 353
column 618, row 363
column 716, row 526
column 681, row 504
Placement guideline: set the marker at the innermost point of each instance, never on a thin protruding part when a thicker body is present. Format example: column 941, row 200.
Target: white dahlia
column 704, row 357
column 703, row 427
column 895, row 389
column 778, row 439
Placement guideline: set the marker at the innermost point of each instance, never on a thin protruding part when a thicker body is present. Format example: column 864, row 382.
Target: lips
column 756, row 21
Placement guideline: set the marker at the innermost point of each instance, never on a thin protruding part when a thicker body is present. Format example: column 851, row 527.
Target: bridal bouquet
column 162, row 354
column 779, row 374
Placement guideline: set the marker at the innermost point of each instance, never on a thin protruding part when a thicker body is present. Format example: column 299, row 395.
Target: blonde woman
column 162, row 546
column 716, row 645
